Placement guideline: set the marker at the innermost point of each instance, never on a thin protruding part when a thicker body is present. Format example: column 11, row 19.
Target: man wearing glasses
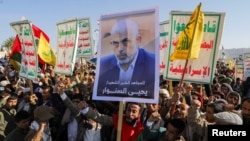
column 129, row 72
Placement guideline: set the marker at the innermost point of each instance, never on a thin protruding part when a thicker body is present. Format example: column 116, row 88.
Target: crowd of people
column 58, row 107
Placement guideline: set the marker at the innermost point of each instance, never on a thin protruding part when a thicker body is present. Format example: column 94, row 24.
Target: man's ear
column 139, row 38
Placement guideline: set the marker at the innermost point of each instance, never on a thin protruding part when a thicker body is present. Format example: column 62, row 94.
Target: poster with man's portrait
column 128, row 57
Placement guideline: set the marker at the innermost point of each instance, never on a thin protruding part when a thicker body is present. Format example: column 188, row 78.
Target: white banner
column 67, row 35
column 200, row 70
column 84, row 39
column 164, row 39
column 29, row 63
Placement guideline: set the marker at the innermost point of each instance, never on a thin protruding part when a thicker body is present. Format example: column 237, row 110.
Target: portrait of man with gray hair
column 130, row 70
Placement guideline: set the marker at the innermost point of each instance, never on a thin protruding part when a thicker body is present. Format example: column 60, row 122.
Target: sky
column 47, row 13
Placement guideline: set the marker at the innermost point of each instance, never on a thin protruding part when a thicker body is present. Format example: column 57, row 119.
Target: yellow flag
column 45, row 52
column 230, row 63
column 189, row 41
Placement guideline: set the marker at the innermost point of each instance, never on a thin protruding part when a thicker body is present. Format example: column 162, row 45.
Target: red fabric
column 37, row 32
column 129, row 133
column 16, row 48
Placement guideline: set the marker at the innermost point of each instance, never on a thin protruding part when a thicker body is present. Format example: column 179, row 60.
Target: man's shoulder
column 146, row 57
column 146, row 53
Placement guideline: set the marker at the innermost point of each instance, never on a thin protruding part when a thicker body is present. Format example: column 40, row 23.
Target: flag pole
column 186, row 63
column 120, row 118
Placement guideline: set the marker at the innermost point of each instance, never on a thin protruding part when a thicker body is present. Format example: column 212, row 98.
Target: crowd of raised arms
column 58, row 107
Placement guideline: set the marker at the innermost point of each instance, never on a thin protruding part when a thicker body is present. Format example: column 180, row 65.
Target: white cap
column 164, row 92
column 4, row 83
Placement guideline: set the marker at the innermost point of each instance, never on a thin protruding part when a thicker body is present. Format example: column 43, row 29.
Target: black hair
column 22, row 115
column 136, row 103
column 76, row 96
column 247, row 99
column 12, row 97
column 177, row 123
column 48, row 87
column 82, row 88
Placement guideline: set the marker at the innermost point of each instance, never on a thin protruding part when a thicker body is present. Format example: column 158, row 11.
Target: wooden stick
column 120, row 118
column 179, row 88
column 170, row 85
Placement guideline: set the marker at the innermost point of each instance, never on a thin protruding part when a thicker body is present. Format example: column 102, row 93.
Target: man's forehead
column 129, row 32
column 246, row 104
column 119, row 36
column 132, row 105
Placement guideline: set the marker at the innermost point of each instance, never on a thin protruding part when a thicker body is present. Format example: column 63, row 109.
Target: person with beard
column 22, row 121
column 234, row 101
column 7, row 114
column 131, row 125
column 126, row 64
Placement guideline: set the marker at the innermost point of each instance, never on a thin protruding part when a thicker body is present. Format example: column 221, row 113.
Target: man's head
column 23, row 119
column 11, row 102
column 245, row 108
column 212, row 109
column 152, row 107
column 76, row 98
column 26, row 94
column 175, row 128
column 46, row 93
column 133, row 112
column 164, row 95
column 124, row 40
column 181, row 111
column 234, row 98
column 218, row 95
